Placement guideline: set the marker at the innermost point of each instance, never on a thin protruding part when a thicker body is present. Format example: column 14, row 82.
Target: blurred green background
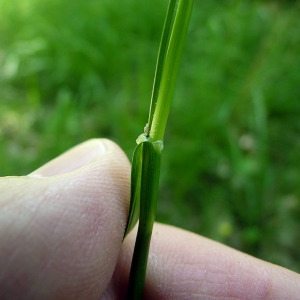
column 74, row 70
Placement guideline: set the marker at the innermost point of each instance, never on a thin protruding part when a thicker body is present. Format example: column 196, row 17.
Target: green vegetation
column 146, row 161
column 74, row 70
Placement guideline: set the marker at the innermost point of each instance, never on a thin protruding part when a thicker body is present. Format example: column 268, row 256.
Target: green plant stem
column 147, row 155
column 151, row 153
column 170, row 70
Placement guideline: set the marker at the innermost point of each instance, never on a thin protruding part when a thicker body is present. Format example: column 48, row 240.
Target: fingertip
column 77, row 156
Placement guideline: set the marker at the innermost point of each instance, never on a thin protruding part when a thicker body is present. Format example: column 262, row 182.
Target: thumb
column 61, row 227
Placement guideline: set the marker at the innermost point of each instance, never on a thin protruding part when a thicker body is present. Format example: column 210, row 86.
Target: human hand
column 61, row 230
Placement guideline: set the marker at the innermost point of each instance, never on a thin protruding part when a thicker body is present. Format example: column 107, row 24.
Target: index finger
column 183, row 265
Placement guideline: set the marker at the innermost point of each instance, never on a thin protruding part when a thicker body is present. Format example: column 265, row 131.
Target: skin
column 61, row 230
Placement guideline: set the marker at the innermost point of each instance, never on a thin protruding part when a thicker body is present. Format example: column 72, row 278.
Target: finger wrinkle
column 222, row 278
column 198, row 266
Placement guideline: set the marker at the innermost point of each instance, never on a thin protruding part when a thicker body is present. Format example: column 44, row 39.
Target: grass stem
column 147, row 155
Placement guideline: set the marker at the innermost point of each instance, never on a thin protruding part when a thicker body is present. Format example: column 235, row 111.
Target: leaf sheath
column 151, row 158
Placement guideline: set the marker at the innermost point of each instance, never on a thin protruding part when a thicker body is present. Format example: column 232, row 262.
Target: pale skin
column 61, row 230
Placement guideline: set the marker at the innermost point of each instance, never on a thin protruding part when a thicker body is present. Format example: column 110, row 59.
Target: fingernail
column 72, row 159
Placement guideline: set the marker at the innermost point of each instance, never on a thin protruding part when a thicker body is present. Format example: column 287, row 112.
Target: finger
column 61, row 234
column 74, row 158
column 183, row 265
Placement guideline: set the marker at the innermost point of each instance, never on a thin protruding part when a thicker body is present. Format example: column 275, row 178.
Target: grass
column 231, row 171
column 146, row 161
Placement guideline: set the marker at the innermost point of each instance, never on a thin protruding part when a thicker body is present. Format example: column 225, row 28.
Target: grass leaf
column 147, row 155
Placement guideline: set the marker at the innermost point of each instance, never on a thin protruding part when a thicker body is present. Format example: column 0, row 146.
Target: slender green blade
column 170, row 69
column 161, row 57
column 147, row 155
column 163, row 89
